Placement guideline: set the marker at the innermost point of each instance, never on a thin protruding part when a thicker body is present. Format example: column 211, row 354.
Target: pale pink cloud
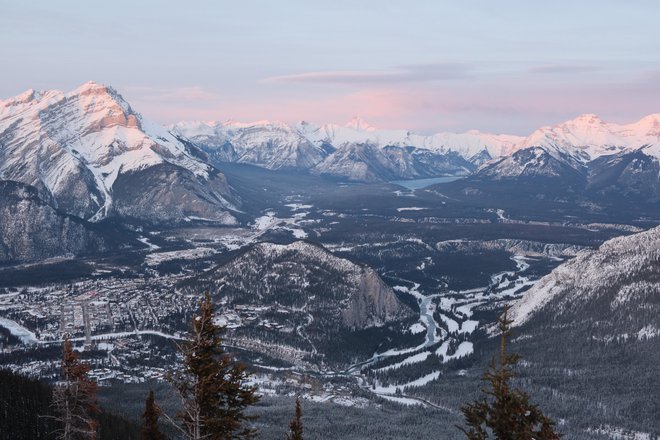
column 516, row 104
column 402, row 74
column 564, row 69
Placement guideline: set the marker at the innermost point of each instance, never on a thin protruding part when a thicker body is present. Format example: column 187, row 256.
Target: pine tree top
column 505, row 413
column 212, row 384
column 296, row 426
column 150, row 430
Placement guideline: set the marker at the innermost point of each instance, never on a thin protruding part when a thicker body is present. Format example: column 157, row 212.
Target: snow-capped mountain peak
column 359, row 124
column 589, row 137
column 587, row 118
column 23, row 98
column 648, row 125
column 73, row 146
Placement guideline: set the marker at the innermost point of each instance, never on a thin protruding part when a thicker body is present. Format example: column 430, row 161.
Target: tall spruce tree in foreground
column 296, row 427
column 212, row 386
column 74, row 398
column 505, row 413
column 151, row 413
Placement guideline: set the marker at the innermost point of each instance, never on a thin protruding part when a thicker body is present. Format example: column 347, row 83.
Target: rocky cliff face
column 31, row 229
column 372, row 304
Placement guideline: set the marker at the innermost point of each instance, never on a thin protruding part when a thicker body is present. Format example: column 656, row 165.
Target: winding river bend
column 455, row 313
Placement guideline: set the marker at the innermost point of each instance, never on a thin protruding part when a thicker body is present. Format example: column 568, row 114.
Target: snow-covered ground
column 465, row 348
column 420, row 357
column 416, row 328
column 616, row 433
column 419, row 382
column 156, row 258
column 410, row 208
column 145, row 240
column 26, row 336
column 270, row 221
column 455, row 310
column 236, row 238
column 298, row 206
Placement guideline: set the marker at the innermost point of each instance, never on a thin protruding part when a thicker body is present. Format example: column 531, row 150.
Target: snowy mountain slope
column 36, row 230
column 362, row 162
column 590, row 332
column 74, row 146
column 369, row 162
column 599, row 157
column 358, row 131
column 545, row 162
column 615, row 288
column 272, row 145
column 301, row 297
column 589, row 137
column 636, row 175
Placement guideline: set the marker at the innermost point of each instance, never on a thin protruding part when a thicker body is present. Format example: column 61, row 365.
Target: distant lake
column 414, row 184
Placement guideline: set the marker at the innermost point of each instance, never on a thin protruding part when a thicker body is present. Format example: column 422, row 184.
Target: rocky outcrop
column 373, row 304
column 336, row 292
column 300, row 302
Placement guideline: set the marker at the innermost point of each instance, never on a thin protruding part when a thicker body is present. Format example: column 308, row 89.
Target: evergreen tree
column 25, row 408
column 27, row 413
column 505, row 413
column 74, row 398
column 212, row 384
column 150, row 429
column 296, row 427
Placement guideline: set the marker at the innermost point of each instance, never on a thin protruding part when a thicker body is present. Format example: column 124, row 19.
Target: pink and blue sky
column 502, row 66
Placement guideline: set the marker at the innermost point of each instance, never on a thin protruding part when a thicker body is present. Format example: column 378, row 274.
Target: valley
column 450, row 264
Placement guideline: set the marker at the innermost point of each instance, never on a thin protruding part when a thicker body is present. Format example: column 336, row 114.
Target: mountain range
column 358, row 151
column 88, row 154
column 84, row 173
column 85, row 142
